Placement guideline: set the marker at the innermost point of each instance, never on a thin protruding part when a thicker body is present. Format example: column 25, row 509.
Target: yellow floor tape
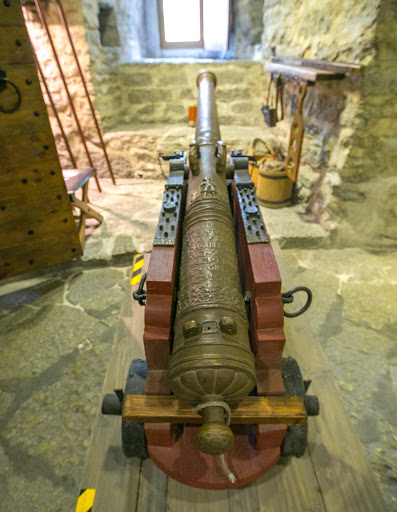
column 85, row 500
column 137, row 269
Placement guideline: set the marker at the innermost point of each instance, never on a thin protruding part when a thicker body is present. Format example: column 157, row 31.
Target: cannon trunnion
column 220, row 404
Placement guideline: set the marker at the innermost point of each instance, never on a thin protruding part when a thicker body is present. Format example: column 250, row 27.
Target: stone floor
column 132, row 207
column 57, row 327
column 353, row 315
column 54, row 350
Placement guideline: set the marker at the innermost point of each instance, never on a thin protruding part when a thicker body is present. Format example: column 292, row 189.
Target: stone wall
column 369, row 173
column 135, row 99
column 350, row 144
column 247, row 28
column 108, row 26
column 133, row 91
column 130, row 97
column 137, row 30
column 349, row 149
column 161, row 93
column 349, row 140
column 45, row 56
column 149, row 111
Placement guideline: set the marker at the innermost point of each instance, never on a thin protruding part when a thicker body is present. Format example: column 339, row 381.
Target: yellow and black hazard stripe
column 137, row 269
column 85, row 500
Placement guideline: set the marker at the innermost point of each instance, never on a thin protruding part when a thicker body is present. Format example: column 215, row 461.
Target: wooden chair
column 74, row 180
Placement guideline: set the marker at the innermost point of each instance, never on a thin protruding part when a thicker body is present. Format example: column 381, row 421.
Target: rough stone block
column 231, row 76
column 148, row 95
column 92, row 284
column 174, row 113
column 241, row 107
column 307, row 176
column 187, row 94
column 233, row 93
column 140, row 79
column 176, row 78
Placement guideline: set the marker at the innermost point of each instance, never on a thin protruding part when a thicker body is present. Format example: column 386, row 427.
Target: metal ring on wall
column 19, row 99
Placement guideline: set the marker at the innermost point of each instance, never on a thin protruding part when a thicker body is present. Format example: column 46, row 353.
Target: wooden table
column 303, row 72
column 306, row 73
column 333, row 476
column 76, row 179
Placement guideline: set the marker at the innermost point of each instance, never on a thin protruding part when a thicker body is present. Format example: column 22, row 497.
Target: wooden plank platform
column 333, row 475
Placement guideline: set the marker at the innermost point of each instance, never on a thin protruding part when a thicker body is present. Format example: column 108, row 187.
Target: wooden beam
column 252, row 409
column 85, row 207
column 339, row 67
column 306, row 73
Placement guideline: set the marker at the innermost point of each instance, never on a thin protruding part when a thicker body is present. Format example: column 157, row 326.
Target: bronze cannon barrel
column 211, row 363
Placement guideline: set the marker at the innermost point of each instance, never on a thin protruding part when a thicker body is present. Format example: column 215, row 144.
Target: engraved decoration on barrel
column 211, row 359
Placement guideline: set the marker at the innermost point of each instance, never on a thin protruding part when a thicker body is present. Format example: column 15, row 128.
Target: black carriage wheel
column 133, row 439
column 295, row 439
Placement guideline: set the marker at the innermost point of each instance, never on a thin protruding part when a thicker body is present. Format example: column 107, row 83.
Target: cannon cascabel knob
column 214, row 438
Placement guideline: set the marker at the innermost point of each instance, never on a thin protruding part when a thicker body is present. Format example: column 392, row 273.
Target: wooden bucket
column 273, row 188
column 253, row 166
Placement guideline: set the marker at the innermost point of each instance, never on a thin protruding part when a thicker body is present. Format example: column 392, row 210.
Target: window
column 194, row 24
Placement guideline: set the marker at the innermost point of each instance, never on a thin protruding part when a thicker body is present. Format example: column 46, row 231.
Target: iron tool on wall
column 270, row 114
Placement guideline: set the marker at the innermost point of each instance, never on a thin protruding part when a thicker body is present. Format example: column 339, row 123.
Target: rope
column 227, row 470
column 214, row 403
column 228, row 412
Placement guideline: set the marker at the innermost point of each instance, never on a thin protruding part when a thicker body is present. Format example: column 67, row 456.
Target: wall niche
column 108, row 26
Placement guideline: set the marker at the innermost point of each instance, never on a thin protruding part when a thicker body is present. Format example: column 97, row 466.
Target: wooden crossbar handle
column 252, row 409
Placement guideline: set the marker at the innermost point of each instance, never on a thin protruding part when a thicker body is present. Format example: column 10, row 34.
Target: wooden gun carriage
column 216, row 344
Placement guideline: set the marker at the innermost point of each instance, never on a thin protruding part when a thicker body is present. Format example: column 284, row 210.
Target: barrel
column 273, row 187
column 211, row 365
column 260, row 155
column 253, row 168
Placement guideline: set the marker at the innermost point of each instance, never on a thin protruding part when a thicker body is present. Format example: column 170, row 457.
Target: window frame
column 180, row 45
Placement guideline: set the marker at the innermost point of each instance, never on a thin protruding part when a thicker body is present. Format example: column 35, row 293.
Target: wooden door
column 37, row 226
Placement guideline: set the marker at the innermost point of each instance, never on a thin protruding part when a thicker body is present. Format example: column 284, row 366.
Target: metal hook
column 19, row 99
column 288, row 298
column 140, row 293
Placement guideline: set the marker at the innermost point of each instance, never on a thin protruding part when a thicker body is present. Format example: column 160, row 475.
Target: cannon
column 215, row 404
